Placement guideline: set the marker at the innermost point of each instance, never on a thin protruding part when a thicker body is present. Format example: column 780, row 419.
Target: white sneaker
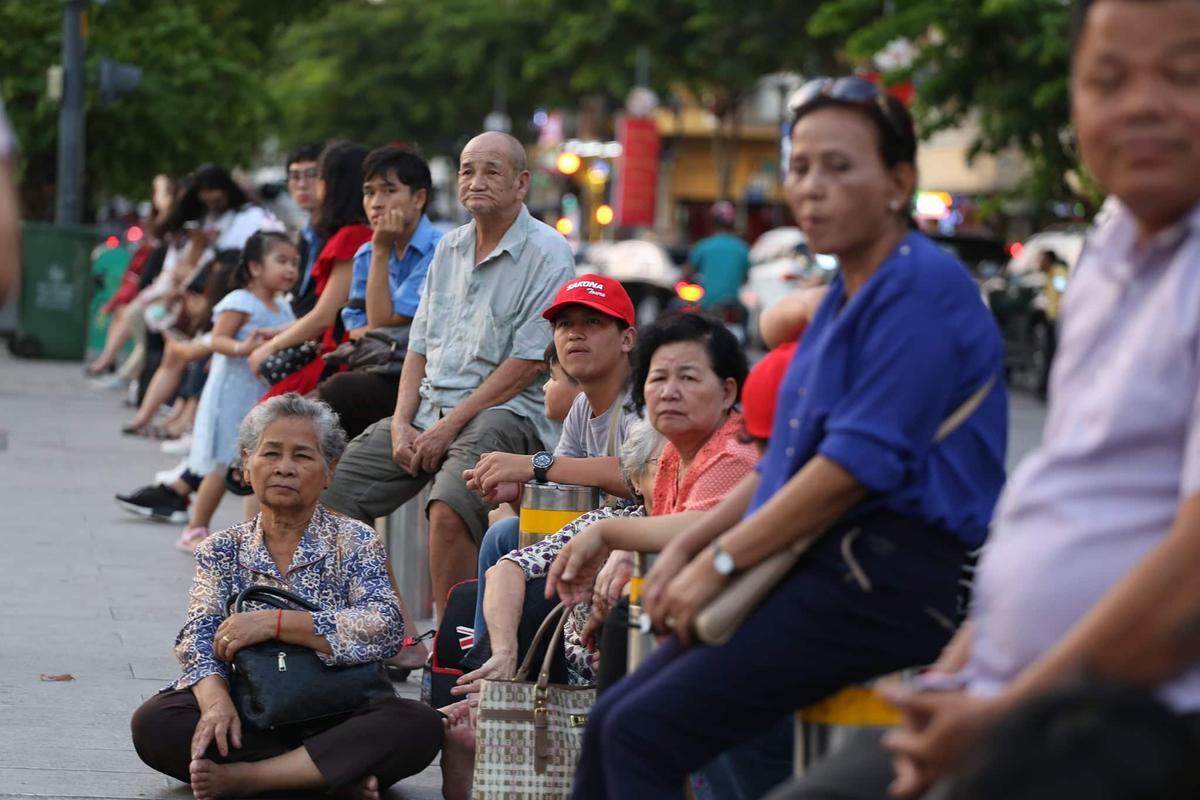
column 178, row 447
column 113, row 381
column 169, row 476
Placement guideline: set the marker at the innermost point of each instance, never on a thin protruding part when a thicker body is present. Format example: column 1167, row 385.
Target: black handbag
column 282, row 363
column 275, row 683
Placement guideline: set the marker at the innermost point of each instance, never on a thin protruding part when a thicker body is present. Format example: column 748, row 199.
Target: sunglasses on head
column 850, row 90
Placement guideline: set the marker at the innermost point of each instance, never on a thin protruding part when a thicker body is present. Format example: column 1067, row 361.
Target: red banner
column 637, row 172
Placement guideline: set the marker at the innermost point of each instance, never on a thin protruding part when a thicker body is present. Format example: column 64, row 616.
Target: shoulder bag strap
column 271, row 596
column 960, row 414
column 559, row 612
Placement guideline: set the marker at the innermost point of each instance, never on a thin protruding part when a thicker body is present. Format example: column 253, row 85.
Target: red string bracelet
column 278, row 622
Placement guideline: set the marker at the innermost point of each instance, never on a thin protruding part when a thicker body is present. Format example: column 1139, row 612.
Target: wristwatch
column 542, row 462
column 722, row 561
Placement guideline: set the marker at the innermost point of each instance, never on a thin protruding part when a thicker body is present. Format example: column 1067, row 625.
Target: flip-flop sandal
column 400, row 674
column 235, row 481
column 191, row 538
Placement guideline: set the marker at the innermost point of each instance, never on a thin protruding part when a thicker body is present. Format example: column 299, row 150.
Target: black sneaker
column 156, row 502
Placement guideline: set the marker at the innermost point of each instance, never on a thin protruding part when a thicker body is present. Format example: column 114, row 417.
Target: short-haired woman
column 899, row 343
column 192, row 731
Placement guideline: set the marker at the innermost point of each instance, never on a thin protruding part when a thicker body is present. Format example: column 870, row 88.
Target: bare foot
column 366, row 789
column 411, row 657
column 458, row 760
column 209, row 779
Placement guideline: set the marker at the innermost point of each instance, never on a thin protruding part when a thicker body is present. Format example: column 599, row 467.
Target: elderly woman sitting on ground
column 192, row 731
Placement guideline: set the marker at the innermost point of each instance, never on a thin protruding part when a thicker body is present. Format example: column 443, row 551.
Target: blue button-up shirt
column 406, row 274
column 874, row 378
column 309, row 234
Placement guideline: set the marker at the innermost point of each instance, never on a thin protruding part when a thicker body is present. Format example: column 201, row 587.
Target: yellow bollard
column 547, row 507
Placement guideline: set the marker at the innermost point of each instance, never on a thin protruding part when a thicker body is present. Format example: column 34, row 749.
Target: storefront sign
column 637, row 172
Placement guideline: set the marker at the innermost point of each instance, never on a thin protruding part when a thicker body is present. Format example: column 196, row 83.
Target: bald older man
column 469, row 383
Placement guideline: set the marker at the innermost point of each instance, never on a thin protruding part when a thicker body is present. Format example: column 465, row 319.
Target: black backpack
column 455, row 636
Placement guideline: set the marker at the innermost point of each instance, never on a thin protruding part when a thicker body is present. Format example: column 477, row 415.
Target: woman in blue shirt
column 900, row 342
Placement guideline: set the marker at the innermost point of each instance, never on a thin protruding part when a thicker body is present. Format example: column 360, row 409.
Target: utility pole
column 69, row 179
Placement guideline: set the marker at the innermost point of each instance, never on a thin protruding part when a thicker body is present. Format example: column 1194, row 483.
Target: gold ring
column 226, row 639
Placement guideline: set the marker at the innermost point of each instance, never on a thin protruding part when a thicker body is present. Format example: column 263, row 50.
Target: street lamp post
column 69, row 180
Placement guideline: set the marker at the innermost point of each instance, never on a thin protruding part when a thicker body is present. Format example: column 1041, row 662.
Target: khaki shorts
column 368, row 484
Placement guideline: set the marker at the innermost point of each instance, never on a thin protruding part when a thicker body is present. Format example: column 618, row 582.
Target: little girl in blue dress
column 269, row 267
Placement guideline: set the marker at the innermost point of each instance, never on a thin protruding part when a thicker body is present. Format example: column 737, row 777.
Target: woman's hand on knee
column 219, row 723
column 502, row 666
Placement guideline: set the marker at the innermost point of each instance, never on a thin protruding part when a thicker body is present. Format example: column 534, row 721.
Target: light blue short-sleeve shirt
column 473, row 317
column 406, row 274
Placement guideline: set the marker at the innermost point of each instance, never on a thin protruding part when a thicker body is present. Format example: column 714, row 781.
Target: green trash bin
column 56, row 288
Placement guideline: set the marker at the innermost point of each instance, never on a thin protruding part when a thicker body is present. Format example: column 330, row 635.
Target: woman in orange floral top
column 191, row 730
column 688, row 375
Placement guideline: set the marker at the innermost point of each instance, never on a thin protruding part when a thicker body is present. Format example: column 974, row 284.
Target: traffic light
column 116, row 79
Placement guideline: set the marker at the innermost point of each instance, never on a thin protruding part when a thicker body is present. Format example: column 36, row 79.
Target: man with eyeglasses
column 302, row 186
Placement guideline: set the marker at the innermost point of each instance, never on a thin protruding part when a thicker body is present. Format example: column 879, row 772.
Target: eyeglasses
column 850, row 90
column 297, row 175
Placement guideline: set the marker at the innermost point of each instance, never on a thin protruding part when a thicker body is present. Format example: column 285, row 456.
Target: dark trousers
column 359, row 398
column 390, row 739
column 871, row 597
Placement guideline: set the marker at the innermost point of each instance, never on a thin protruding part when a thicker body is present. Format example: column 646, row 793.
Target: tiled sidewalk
column 86, row 589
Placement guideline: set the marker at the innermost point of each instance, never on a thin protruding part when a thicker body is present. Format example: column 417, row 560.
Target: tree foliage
column 428, row 72
column 402, row 70
column 202, row 95
column 1002, row 63
column 221, row 75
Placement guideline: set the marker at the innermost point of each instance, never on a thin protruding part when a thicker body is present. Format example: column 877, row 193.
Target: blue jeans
column 499, row 540
column 870, row 597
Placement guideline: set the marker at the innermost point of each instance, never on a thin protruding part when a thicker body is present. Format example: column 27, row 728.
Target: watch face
column 723, row 562
column 543, row 460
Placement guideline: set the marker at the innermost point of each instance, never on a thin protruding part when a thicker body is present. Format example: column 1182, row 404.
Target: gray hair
column 331, row 439
column 639, row 448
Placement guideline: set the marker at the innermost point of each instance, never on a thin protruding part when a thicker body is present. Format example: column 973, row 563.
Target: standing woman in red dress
column 342, row 225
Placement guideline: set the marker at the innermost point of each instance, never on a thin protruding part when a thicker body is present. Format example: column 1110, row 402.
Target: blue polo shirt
column 874, row 378
column 406, row 274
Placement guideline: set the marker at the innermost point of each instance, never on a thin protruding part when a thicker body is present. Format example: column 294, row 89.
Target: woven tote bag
column 530, row 732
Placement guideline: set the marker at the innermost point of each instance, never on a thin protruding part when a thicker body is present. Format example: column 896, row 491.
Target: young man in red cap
column 592, row 319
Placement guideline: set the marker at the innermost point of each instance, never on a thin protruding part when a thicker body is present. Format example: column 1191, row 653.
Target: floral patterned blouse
column 535, row 562
column 340, row 565
column 719, row 465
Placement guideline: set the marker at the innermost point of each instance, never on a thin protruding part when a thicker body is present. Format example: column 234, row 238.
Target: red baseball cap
column 761, row 390
column 594, row 291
